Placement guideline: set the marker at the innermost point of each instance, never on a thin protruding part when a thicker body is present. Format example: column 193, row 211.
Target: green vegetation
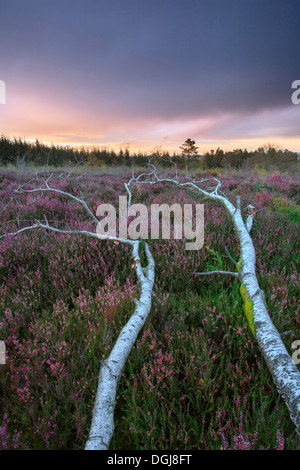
column 264, row 158
column 18, row 152
column 248, row 308
column 195, row 378
column 188, row 148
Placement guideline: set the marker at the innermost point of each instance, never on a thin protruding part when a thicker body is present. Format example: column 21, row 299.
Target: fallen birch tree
column 285, row 374
column 283, row 370
column 102, row 426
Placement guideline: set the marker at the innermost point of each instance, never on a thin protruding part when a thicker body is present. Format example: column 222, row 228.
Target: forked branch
column 286, row 375
column 102, row 426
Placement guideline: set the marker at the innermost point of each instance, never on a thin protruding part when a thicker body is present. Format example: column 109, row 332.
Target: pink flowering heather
column 195, row 378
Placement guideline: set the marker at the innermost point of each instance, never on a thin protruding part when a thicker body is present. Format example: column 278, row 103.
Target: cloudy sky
column 148, row 73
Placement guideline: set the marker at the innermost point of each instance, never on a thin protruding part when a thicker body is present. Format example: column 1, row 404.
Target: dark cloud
column 152, row 60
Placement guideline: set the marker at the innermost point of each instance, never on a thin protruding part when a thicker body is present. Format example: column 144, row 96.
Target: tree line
column 267, row 157
column 16, row 151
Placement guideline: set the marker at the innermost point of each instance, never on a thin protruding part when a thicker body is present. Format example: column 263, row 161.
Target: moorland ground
column 195, row 378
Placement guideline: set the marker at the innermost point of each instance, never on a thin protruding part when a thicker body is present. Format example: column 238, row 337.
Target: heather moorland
column 195, row 378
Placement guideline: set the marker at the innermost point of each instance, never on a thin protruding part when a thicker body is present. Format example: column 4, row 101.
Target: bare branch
column 30, row 227
column 229, row 255
column 79, row 162
column 281, row 366
column 250, row 217
column 284, row 372
column 102, row 426
column 9, row 202
column 59, row 191
column 216, row 272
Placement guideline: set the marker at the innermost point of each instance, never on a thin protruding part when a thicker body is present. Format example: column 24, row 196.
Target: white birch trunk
column 285, row 374
column 284, row 371
column 102, row 426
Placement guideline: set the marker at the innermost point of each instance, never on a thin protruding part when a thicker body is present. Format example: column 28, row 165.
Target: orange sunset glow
column 147, row 87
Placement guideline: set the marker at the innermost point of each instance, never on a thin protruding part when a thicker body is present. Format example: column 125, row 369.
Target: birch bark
column 102, row 426
column 285, row 374
column 284, row 371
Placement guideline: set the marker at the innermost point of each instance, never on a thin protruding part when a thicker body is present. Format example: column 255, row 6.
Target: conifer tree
column 189, row 148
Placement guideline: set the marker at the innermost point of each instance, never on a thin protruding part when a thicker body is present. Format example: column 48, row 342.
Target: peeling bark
column 102, row 427
column 286, row 375
column 284, row 371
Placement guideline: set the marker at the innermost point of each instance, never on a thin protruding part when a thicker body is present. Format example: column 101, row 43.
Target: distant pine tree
column 188, row 148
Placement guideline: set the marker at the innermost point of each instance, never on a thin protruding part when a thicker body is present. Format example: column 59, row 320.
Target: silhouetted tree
column 188, row 148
